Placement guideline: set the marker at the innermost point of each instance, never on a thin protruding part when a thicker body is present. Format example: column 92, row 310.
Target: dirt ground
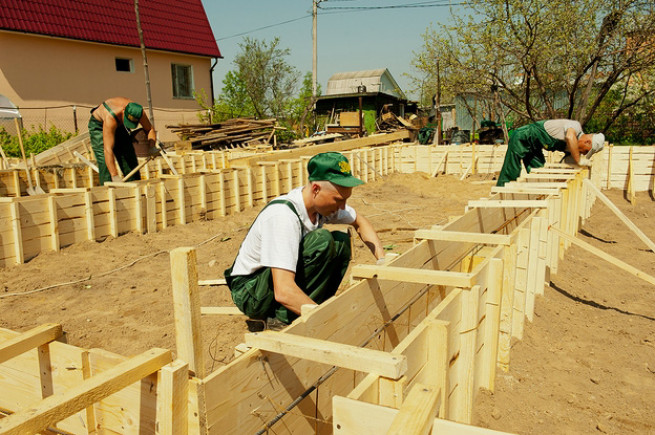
column 586, row 364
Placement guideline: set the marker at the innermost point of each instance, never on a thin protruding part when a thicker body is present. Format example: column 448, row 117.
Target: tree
column 303, row 104
column 546, row 58
column 269, row 80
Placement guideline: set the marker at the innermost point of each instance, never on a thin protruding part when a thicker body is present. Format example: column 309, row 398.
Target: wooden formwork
column 30, row 225
column 408, row 342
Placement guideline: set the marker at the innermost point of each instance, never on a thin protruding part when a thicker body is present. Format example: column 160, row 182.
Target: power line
column 345, row 9
column 264, row 27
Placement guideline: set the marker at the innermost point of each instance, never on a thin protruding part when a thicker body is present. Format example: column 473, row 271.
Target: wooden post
column 237, row 192
column 221, row 185
column 164, row 202
column 463, row 402
column 138, row 208
column 54, row 223
column 151, row 209
column 507, row 306
column 90, row 217
column 533, row 257
column 181, row 196
column 172, row 399
column 438, row 359
column 186, row 306
column 113, row 218
column 264, row 184
column 521, row 283
column 609, row 166
column 251, row 188
column 631, row 182
column 492, row 326
column 203, row 195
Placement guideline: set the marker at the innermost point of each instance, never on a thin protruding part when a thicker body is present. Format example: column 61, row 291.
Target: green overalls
column 123, row 148
column 322, row 262
column 527, row 144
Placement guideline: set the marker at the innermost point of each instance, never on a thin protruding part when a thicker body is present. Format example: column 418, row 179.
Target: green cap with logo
column 333, row 167
column 132, row 115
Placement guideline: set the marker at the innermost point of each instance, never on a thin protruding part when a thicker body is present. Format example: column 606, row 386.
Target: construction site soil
column 585, row 365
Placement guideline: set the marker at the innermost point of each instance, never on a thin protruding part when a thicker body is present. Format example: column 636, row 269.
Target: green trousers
column 123, row 150
column 323, row 259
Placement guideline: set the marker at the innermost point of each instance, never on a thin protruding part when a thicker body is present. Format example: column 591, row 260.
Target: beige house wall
column 56, row 81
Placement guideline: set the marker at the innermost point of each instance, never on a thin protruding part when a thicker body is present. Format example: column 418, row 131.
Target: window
column 182, row 81
column 124, row 65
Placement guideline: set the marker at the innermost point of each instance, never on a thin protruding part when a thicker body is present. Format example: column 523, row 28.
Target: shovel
column 31, row 190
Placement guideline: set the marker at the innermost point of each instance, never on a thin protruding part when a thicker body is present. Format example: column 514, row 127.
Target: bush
column 35, row 141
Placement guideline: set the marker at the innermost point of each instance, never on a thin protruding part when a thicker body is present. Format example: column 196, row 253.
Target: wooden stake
column 88, row 212
column 602, row 254
column 17, row 233
column 186, row 307
column 54, row 223
column 172, row 402
column 621, row 216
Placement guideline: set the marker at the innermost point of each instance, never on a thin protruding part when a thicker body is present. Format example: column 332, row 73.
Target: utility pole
column 314, row 69
column 145, row 62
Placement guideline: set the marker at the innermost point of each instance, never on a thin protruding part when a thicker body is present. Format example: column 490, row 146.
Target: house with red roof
column 61, row 58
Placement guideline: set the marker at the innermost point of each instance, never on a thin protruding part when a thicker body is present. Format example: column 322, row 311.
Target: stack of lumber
column 236, row 132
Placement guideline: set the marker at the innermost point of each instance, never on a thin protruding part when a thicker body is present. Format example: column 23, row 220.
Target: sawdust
column 586, row 364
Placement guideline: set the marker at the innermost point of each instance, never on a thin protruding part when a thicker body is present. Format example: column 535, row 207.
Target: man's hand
column 153, row 152
column 116, row 178
column 584, row 162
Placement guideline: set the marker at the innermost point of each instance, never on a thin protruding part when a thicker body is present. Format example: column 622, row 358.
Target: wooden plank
column 28, row 340
column 417, row 413
column 419, row 276
column 17, row 233
column 462, row 410
column 492, row 324
column 508, row 203
column 59, row 406
column 353, row 417
column 223, row 311
column 186, row 307
column 643, row 237
column 172, row 403
column 525, row 188
column 330, row 353
column 602, row 254
column 459, row 236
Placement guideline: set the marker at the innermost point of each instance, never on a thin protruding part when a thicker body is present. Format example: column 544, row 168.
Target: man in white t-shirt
column 287, row 260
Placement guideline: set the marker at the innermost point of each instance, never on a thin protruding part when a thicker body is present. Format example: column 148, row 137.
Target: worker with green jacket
column 527, row 143
column 110, row 126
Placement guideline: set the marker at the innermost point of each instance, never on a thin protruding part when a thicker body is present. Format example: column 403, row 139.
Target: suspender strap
column 111, row 112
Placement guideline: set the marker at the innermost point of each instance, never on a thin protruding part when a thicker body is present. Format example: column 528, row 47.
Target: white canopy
column 8, row 109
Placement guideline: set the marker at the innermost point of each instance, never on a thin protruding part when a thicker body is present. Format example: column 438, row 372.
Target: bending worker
column 287, row 260
column 563, row 135
column 109, row 128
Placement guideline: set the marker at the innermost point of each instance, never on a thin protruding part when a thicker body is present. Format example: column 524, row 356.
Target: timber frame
column 404, row 349
column 407, row 345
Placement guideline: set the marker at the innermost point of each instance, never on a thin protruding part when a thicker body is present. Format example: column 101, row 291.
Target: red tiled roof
column 174, row 25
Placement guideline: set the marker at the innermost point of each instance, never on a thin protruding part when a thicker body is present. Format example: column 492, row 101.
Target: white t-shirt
column 275, row 236
column 557, row 128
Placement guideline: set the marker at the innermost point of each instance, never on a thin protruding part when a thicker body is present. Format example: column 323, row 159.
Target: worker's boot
column 255, row 325
column 274, row 324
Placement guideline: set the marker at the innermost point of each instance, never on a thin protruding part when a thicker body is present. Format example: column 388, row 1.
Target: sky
column 347, row 39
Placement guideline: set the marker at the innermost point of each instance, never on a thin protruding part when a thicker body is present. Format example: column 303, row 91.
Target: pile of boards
column 233, row 133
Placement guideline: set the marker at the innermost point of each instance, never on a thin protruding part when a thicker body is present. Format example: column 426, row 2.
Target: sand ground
column 585, row 365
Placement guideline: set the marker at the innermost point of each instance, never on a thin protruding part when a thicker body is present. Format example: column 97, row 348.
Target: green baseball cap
column 333, row 167
column 132, row 115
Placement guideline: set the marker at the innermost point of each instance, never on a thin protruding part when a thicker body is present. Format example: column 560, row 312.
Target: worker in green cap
column 527, row 143
column 287, row 260
column 110, row 126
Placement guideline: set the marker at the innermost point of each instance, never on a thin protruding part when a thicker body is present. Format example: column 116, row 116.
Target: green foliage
column 34, row 142
column 542, row 58
column 265, row 77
